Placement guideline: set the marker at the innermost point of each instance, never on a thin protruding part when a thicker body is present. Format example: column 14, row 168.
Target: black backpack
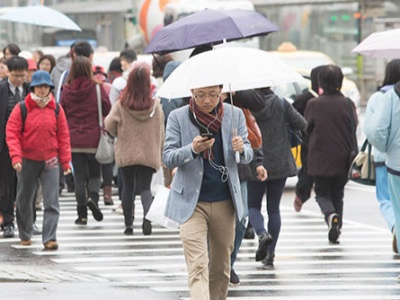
column 24, row 112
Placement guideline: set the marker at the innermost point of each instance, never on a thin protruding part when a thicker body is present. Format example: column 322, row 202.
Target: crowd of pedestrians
column 49, row 133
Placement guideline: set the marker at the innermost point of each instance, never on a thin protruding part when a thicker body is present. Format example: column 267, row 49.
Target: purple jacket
column 79, row 102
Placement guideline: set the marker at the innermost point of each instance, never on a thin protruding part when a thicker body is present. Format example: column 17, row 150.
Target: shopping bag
column 362, row 169
column 157, row 181
column 157, row 209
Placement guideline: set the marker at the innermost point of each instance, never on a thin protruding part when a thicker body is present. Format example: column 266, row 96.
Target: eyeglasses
column 18, row 75
column 202, row 96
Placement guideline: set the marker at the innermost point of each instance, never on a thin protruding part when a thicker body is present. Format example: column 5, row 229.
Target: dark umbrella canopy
column 210, row 27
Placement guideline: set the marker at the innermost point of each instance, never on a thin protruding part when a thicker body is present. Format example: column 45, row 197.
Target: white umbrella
column 384, row 44
column 41, row 16
column 235, row 68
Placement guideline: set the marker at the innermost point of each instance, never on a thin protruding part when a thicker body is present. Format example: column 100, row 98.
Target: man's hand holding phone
column 207, row 135
column 203, row 142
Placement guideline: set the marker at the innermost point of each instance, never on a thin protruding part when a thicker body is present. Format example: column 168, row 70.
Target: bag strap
column 364, row 146
column 100, row 110
column 24, row 112
column 369, row 160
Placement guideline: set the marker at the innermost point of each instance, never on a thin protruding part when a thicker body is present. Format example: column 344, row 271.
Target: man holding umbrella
column 205, row 192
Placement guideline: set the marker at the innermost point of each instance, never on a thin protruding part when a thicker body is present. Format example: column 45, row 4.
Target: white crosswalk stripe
column 361, row 267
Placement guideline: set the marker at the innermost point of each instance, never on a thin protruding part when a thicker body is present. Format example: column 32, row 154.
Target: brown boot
column 107, row 195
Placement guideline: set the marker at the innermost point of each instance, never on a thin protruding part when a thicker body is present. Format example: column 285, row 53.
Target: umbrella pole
column 234, row 130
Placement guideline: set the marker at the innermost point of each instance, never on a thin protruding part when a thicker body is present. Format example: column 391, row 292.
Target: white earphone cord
column 224, row 170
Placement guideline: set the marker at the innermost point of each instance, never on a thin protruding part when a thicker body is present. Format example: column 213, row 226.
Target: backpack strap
column 57, row 110
column 24, row 112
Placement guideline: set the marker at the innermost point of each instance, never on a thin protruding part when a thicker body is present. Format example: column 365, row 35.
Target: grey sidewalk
column 20, row 282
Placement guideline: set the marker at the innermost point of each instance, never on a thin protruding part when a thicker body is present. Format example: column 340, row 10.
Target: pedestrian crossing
column 361, row 267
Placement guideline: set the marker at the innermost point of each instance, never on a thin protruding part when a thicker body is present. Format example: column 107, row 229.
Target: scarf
column 41, row 102
column 206, row 122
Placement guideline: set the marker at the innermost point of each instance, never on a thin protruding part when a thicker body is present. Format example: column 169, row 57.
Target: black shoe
column 234, row 279
column 269, row 260
column 128, row 231
column 394, row 241
column 146, row 227
column 81, row 221
column 97, row 214
column 333, row 225
column 249, row 234
column 263, row 241
column 8, row 231
column 108, row 202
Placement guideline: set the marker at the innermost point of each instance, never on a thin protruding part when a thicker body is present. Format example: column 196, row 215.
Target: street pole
column 360, row 65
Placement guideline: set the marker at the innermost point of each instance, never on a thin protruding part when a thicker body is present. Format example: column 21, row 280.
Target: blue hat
column 39, row 78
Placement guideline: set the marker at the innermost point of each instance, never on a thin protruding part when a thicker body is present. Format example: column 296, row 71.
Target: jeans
column 273, row 189
column 240, row 227
column 394, row 192
column 382, row 195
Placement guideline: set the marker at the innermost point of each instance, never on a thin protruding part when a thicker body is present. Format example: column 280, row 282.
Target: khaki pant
column 207, row 239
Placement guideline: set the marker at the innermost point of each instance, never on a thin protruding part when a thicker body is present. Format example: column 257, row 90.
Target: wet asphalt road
column 99, row 262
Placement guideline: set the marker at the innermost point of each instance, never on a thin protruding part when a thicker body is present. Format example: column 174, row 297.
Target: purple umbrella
column 209, row 27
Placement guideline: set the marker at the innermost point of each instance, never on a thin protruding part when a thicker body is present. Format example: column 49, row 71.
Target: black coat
column 278, row 157
column 329, row 135
column 4, row 88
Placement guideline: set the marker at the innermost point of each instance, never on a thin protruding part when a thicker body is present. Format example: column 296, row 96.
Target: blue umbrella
column 209, row 27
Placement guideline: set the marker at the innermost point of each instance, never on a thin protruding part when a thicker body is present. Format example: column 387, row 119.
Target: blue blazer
column 186, row 184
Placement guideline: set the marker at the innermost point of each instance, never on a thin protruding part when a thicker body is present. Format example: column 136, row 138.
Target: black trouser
column 107, row 174
column 329, row 194
column 8, row 186
column 87, row 177
column 135, row 179
column 305, row 183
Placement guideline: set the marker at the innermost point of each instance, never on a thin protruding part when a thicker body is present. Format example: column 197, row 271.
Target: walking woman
column 79, row 101
column 38, row 139
column 330, row 142
column 377, row 99
column 280, row 164
column 137, row 120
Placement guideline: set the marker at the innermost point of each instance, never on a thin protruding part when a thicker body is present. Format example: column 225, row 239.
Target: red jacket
column 44, row 136
column 79, row 101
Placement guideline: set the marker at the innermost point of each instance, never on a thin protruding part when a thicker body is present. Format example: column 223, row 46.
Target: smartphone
column 208, row 135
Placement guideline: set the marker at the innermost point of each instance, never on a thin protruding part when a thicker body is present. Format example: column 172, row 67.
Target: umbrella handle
column 237, row 157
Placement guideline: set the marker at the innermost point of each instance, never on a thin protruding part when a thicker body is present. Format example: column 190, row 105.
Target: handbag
column 362, row 168
column 105, row 148
column 295, row 135
column 157, row 209
column 254, row 133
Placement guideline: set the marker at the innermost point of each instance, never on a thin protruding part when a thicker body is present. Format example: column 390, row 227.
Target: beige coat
column 140, row 135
